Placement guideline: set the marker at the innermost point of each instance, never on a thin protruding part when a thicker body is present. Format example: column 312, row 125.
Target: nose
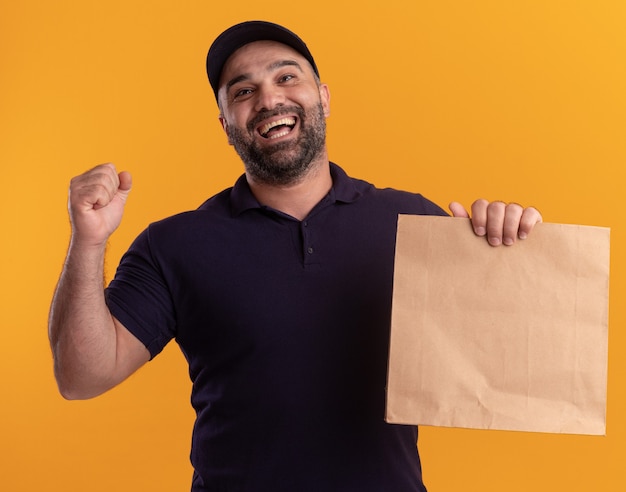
column 268, row 97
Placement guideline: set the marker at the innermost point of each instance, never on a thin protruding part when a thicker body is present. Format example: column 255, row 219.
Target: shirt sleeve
column 139, row 296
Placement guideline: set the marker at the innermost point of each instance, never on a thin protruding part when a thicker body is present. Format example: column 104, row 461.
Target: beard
column 285, row 162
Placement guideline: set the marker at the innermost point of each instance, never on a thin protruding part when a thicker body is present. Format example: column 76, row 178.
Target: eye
column 286, row 78
column 242, row 93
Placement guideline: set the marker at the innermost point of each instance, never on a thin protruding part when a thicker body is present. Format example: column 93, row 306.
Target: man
column 277, row 290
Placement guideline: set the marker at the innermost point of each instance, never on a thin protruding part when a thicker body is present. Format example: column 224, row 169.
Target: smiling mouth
column 278, row 128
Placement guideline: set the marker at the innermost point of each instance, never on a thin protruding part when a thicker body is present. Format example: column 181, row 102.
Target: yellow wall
column 521, row 100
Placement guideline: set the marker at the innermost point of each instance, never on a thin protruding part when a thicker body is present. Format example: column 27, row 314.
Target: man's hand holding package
column 502, row 223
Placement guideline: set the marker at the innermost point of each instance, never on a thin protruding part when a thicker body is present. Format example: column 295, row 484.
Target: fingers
column 503, row 223
column 97, row 187
column 94, row 188
column 530, row 217
column 96, row 203
column 480, row 217
column 125, row 181
column 497, row 220
column 458, row 210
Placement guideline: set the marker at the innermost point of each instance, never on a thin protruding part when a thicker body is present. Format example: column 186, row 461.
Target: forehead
column 259, row 56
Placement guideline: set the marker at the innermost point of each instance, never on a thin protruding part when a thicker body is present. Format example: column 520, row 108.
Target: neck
column 296, row 199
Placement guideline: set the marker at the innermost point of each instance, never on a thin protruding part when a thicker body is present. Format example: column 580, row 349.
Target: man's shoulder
column 385, row 200
column 399, row 200
column 406, row 202
column 214, row 208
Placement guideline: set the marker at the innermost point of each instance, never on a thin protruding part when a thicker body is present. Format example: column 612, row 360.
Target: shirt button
column 305, row 224
column 310, row 250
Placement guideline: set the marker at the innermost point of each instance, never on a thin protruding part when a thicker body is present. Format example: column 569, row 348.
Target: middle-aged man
column 278, row 290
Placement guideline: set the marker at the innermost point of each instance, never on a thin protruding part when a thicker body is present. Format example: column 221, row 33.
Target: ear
column 325, row 98
column 224, row 124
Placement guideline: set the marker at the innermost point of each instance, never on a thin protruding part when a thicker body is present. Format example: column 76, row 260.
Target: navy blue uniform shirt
column 285, row 325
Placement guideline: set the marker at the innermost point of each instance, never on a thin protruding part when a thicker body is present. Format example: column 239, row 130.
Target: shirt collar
column 344, row 190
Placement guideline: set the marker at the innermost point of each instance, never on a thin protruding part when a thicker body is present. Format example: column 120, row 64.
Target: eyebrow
column 273, row 66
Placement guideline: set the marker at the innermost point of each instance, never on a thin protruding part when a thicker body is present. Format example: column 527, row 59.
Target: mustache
column 270, row 113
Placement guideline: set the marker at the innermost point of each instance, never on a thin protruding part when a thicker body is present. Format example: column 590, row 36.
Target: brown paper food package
column 510, row 338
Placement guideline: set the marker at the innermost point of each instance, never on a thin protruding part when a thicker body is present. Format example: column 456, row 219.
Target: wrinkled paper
column 509, row 338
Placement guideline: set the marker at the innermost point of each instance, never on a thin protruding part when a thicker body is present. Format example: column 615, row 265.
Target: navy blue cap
column 239, row 35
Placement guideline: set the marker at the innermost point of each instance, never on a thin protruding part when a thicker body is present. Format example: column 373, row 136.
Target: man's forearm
column 81, row 329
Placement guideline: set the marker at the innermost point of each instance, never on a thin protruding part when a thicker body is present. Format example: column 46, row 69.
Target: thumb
column 458, row 210
column 126, row 183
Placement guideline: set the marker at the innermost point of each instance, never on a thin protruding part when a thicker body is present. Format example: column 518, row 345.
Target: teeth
column 279, row 134
column 283, row 121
